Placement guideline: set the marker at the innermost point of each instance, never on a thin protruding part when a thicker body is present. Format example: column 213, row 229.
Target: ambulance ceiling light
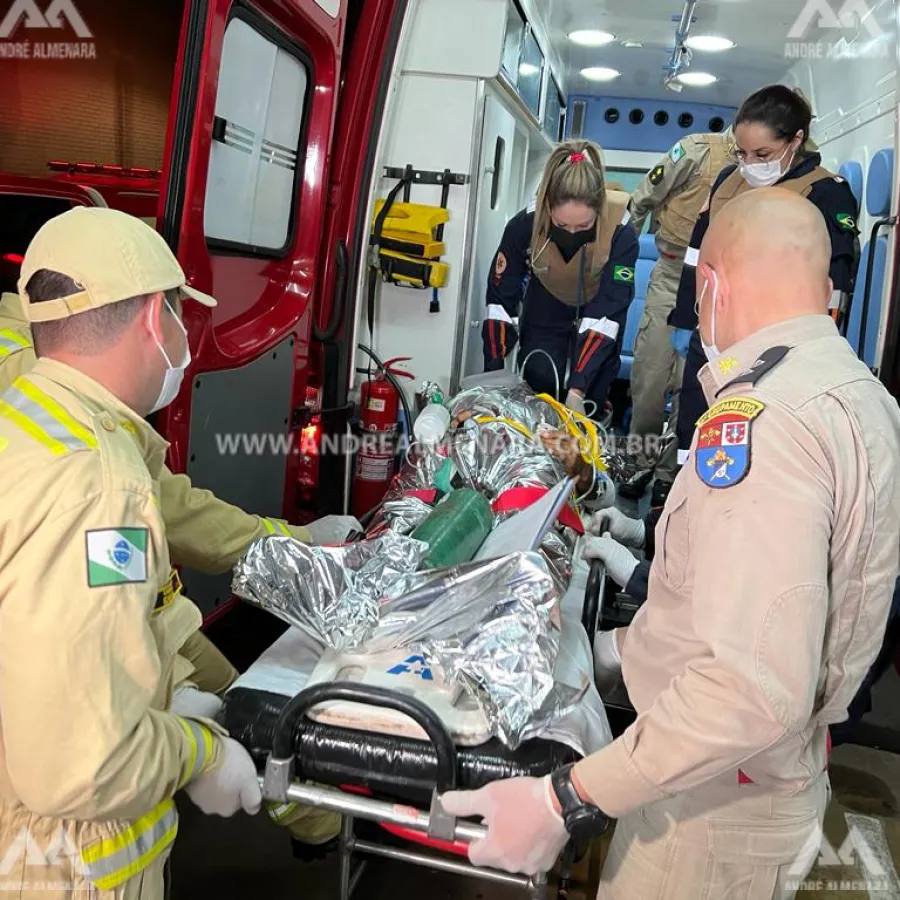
column 708, row 43
column 589, row 37
column 630, row 44
column 600, row 73
column 697, row 79
column 526, row 69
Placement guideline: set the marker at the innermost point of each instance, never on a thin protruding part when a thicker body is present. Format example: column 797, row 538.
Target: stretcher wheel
column 592, row 611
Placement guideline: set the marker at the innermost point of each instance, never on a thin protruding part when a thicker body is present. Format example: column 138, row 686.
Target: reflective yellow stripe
column 10, row 342
column 55, row 411
column 273, row 526
column 44, row 419
column 57, row 448
column 201, row 743
column 279, row 811
column 112, row 861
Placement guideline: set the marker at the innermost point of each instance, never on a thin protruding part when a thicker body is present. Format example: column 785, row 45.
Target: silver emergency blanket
column 331, row 593
column 492, row 626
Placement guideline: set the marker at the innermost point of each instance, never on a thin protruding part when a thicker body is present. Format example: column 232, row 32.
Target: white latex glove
column 607, row 662
column 575, row 402
column 525, row 833
column 624, row 529
column 230, row 786
column 618, row 559
column 332, row 529
column 193, row 703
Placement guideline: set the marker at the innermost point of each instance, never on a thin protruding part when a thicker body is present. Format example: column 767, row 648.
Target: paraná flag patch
column 116, row 556
column 723, row 441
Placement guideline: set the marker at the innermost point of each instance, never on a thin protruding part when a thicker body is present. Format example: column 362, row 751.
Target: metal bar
column 420, row 176
column 443, row 865
column 346, row 852
column 373, row 810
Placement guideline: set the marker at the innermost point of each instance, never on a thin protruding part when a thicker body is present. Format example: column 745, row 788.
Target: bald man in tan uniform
column 776, row 558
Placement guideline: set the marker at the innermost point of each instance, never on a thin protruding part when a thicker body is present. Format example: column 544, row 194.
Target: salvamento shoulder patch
column 722, row 457
column 846, row 221
column 624, row 274
column 657, row 175
column 677, row 152
column 116, row 556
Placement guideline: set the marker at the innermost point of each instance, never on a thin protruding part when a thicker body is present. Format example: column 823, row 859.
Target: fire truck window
column 21, row 216
column 256, row 143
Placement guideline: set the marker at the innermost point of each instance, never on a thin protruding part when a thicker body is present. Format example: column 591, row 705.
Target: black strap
column 374, row 241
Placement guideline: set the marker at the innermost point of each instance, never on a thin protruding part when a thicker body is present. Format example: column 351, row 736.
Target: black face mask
column 569, row 242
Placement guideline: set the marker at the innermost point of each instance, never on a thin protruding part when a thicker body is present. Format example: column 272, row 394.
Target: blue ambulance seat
column 647, row 256
column 852, row 173
column 878, row 206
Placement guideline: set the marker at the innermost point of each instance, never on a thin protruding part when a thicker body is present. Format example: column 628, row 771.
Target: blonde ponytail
column 574, row 173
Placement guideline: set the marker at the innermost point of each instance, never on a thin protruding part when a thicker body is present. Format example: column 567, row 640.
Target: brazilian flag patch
column 625, row 274
column 656, row 176
column 677, row 152
column 846, row 221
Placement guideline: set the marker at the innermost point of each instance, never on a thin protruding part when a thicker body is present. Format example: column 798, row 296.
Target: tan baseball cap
column 110, row 255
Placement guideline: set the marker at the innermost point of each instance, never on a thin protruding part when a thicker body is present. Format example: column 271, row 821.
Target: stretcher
column 383, row 772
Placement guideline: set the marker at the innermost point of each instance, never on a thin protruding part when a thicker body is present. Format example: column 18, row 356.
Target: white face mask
column 174, row 374
column 764, row 174
column 710, row 349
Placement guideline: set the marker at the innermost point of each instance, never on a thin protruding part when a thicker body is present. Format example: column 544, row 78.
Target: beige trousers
column 722, row 843
column 657, row 367
column 212, row 671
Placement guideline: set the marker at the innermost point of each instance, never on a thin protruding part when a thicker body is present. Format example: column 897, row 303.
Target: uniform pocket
column 778, row 842
column 675, row 542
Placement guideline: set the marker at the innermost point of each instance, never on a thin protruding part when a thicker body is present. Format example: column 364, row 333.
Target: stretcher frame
column 280, row 785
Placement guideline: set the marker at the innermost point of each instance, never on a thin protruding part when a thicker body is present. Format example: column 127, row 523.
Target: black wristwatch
column 583, row 820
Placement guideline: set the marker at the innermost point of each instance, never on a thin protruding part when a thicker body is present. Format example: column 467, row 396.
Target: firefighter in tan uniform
column 91, row 616
column 776, row 558
column 673, row 193
column 209, row 535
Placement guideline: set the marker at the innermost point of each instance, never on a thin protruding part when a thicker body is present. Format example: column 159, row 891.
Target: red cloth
column 519, row 498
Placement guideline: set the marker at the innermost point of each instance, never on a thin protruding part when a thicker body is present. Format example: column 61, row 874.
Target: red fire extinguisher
column 380, row 426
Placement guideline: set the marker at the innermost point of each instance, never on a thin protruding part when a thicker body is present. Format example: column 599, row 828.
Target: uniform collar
column 740, row 357
column 113, row 412
column 11, row 311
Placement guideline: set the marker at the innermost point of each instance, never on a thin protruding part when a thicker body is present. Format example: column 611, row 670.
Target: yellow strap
column 582, row 429
column 510, row 423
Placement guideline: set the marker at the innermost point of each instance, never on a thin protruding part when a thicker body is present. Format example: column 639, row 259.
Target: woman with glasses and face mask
column 568, row 263
column 772, row 147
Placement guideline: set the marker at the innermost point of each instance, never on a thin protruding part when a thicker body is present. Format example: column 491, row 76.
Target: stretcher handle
column 592, row 611
column 370, row 695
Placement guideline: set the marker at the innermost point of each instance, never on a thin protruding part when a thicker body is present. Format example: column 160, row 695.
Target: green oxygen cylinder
column 455, row 528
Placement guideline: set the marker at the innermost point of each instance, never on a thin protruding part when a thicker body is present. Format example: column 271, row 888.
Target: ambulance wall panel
column 464, row 37
column 854, row 99
column 430, row 136
column 493, row 213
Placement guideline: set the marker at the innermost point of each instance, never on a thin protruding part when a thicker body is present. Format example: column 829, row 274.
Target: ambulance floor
column 244, row 857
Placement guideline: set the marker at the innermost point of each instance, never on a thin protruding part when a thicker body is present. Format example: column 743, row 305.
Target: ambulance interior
column 476, row 93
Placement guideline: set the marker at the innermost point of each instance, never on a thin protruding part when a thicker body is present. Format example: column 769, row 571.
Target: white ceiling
column 759, row 28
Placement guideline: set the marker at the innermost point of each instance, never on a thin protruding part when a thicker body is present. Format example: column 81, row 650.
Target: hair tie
column 578, row 157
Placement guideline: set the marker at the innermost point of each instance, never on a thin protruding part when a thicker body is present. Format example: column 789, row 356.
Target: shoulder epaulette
column 763, row 365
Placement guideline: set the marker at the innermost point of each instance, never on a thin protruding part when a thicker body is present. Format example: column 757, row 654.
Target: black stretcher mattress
column 397, row 767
